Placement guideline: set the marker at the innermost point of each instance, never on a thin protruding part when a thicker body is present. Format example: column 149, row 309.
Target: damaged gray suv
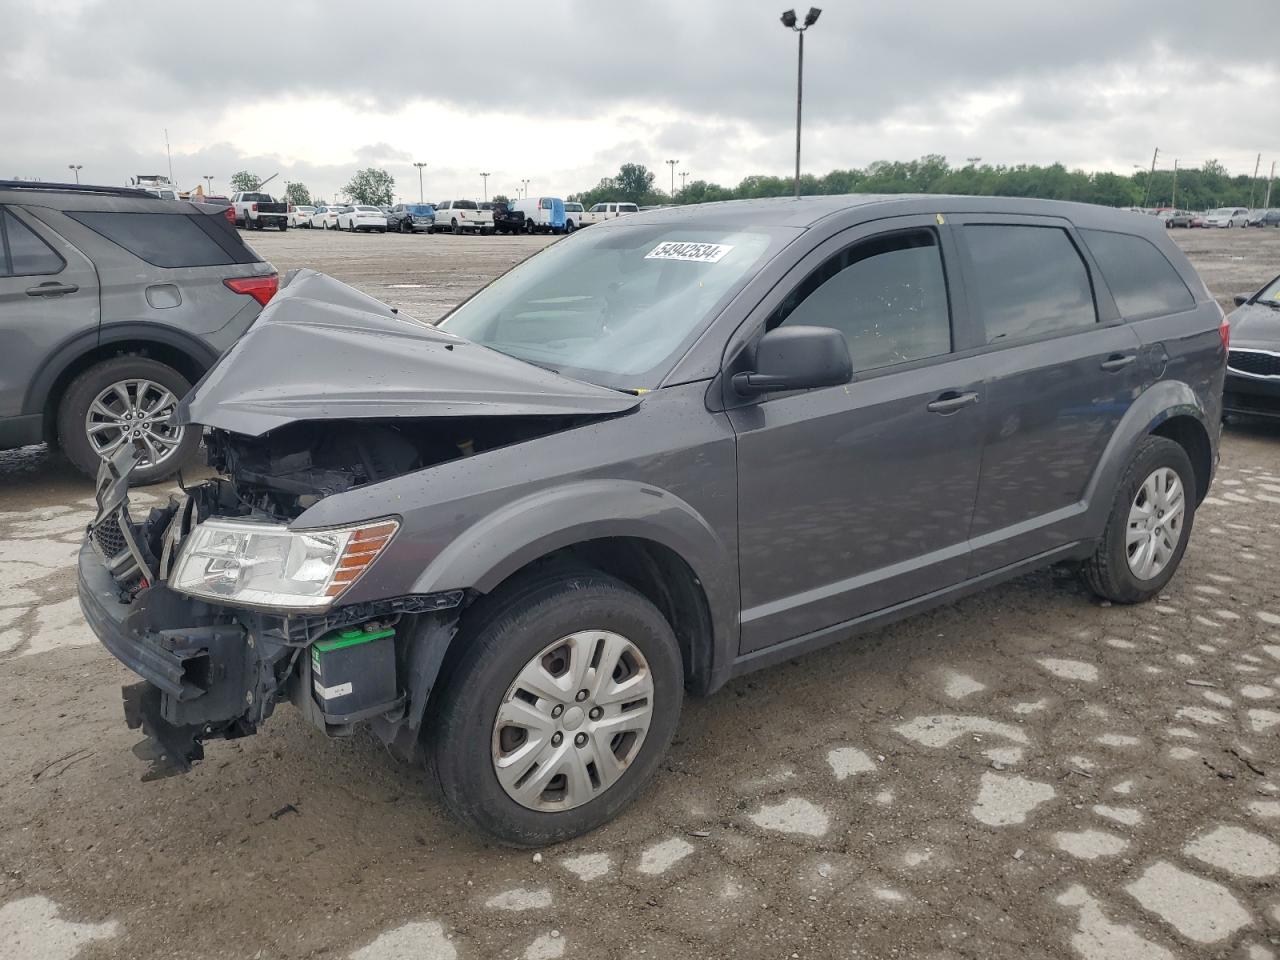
column 661, row 453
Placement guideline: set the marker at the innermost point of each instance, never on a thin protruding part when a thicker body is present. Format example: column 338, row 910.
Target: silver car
column 112, row 304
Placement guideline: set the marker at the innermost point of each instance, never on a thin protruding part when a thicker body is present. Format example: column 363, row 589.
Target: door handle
column 51, row 289
column 1118, row 361
column 951, row 401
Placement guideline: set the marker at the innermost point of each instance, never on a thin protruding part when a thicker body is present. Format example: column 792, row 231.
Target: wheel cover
column 137, row 410
column 1155, row 523
column 573, row 721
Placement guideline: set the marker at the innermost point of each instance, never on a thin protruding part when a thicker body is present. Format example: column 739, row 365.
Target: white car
column 361, row 217
column 300, row 216
column 1227, row 217
column 572, row 216
column 325, row 218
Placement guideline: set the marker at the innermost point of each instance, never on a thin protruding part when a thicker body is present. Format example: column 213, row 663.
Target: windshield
column 370, row 209
column 257, row 197
column 1270, row 293
column 616, row 307
column 421, row 209
column 464, row 205
column 1220, row 212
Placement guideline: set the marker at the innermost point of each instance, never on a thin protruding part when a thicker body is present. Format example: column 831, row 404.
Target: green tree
column 501, row 198
column 372, row 186
column 634, row 183
column 244, row 181
column 297, row 194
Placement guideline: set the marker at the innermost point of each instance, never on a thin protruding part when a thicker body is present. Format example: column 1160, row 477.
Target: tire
column 569, row 227
column 1230, row 224
column 405, row 224
column 457, row 230
column 1109, row 572
column 283, row 226
column 529, row 227
column 84, row 389
column 504, row 637
column 431, row 229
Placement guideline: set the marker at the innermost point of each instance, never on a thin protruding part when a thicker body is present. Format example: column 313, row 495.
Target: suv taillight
column 1224, row 331
column 261, row 289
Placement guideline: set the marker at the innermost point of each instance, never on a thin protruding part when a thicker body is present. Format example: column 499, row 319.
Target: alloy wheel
column 1155, row 523
column 137, row 411
column 573, row 721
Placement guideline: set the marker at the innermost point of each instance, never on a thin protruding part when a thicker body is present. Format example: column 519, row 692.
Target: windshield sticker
column 689, row 250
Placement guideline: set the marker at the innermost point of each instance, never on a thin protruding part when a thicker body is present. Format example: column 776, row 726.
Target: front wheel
column 1149, row 525
column 559, row 709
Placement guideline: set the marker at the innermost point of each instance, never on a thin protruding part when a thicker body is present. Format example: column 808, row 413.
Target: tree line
column 1194, row 189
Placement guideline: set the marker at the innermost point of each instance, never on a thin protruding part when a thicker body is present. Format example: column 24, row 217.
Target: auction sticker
column 689, row 250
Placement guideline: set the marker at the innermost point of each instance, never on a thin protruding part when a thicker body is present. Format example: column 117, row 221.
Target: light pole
column 683, row 174
column 208, row 179
column 75, row 167
column 486, row 186
column 672, row 165
column 789, row 21
column 526, row 188
column 420, row 166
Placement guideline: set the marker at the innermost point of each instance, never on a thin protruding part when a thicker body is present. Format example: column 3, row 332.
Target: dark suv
column 663, row 452
column 112, row 303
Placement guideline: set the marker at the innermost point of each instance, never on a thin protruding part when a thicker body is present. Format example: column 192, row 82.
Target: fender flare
column 517, row 534
column 59, row 361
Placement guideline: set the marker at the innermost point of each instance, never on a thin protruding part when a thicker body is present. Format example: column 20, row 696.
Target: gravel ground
column 1027, row 774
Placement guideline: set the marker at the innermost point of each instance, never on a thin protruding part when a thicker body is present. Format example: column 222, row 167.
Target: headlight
column 268, row 565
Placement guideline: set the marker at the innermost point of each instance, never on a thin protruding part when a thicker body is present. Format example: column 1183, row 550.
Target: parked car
column 572, row 216
column 462, row 216
column 257, row 211
column 112, row 303
column 218, row 203
column 607, row 211
column 325, row 218
column 655, row 456
column 1176, row 218
column 1266, row 218
column 1227, row 217
column 411, row 217
column 1197, row 220
column 506, row 219
column 1253, row 365
column 300, row 215
column 541, row 214
column 362, row 217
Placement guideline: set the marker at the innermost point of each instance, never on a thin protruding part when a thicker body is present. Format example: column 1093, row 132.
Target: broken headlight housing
column 268, row 565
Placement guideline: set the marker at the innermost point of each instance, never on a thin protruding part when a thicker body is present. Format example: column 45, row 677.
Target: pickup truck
column 257, row 211
column 460, row 215
column 606, row 211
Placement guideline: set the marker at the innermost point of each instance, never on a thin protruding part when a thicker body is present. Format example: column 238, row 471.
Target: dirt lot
column 1028, row 774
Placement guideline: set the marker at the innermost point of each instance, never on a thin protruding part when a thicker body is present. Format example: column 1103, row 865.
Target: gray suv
column 661, row 453
column 112, row 303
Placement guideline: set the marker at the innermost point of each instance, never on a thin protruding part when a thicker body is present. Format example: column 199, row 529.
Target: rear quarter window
column 1142, row 280
column 171, row 240
column 23, row 253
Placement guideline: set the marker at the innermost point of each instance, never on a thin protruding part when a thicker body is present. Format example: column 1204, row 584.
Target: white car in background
column 325, row 218
column 362, row 217
column 300, row 216
column 1227, row 217
column 572, row 216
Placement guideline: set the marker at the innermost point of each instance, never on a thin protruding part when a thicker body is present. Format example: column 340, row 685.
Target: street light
column 208, row 178
column 789, row 21
column 672, row 165
column 526, row 187
column 486, row 186
column 420, row 166
column 76, row 168
column 683, row 174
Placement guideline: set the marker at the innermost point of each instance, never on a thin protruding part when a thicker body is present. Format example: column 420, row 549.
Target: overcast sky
column 563, row 91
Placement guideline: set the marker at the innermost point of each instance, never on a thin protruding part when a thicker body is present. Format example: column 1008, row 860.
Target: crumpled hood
column 322, row 350
column 1255, row 325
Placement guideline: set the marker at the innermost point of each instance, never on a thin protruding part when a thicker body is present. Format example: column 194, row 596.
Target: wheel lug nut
column 596, row 713
column 581, row 695
column 580, row 740
column 557, row 739
column 557, row 710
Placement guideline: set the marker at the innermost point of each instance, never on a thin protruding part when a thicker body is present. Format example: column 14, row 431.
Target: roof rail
column 37, row 186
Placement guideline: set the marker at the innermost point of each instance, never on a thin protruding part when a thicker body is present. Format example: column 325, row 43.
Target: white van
column 541, row 214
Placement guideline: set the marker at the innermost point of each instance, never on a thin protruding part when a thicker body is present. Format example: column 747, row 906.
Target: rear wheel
column 558, row 710
column 126, row 399
column 456, row 229
column 1150, row 523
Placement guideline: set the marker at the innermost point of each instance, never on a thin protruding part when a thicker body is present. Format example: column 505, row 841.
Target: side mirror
column 796, row 358
column 1241, row 299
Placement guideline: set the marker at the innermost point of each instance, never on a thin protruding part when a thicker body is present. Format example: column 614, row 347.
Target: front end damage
column 216, row 658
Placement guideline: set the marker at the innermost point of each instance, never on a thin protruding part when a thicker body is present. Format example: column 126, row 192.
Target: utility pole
column 1150, row 176
column 1254, row 182
column 1174, row 202
column 420, row 166
column 75, row 167
column 208, row 178
column 1267, row 203
column 486, row 186
column 168, row 154
column 672, row 165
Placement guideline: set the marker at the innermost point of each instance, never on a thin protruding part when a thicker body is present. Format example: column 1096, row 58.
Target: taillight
column 1224, row 331
column 261, row 289
column 254, row 208
column 230, row 214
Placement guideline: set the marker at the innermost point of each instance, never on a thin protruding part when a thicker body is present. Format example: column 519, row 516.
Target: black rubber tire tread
column 80, row 393
column 498, row 636
column 1107, row 572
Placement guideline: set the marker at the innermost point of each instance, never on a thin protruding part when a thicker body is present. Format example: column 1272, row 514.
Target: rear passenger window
column 887, row 295
column 1030, row 281
column 1141, row 278
column 23, row 253
column 164, row 240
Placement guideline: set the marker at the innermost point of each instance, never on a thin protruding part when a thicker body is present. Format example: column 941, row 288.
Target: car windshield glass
column 1220, row 212
column 370, row 209
column 421, row 209
column 257, row 197
column 1271, row 293
column 615, row 307
column 464, row 205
